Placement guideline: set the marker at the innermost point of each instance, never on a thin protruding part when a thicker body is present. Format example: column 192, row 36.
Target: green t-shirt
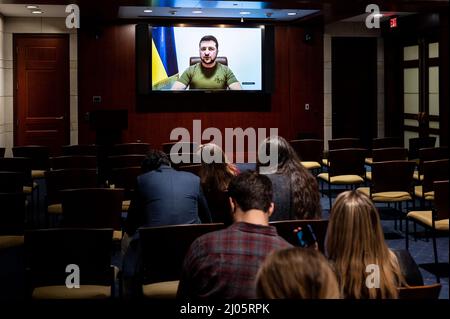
column 216, row 78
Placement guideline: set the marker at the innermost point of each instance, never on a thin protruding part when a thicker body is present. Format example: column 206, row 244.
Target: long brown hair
column 296, row 273
column 216, row 176
column 355, row 240
column 304, row 187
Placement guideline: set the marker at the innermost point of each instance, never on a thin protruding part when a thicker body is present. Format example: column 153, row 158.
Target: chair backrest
column 130, row 148
column 389, row 154
column 195, row 59
column 125, row 178
column 2, row 152
column 348, row 161
column 49, row 251
column 441, row 199
column 12, row 213
column 11, row 182
column 39, row 155
column 416, row 143
column 340, row 143
column 130, row 160
column 385, row 142
column 392, row 176
column 193, row 168
column 60, row 179
column 434, row 171
column 285, row 228
column 164, row 249
column 80, row 150
column 73, row 161
column 92, row 207
column 17, row 164
column 431, row 154
column 420, row 292
column 308, row 149
column 185, row 147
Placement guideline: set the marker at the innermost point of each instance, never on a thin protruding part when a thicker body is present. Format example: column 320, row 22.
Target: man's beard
column 211, row 61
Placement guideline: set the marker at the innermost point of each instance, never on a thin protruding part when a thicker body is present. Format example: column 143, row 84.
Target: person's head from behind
column 296, row 273
column 250, row 191
column 154, row 160
column 216, row 171
column 286, row 156
column 208, row 48
column 355, row 240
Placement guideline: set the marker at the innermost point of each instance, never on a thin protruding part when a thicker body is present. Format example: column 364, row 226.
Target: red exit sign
column 393, row 22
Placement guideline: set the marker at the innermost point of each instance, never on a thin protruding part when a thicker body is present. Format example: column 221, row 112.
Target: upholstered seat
column 368, row 160
column 126, row 205
column 9, row 241
column 386, row 196
column 426, row 218
column 325, row 161
column 416, row 176
column 161, row 290
column 341, row 179
column 62, row 292
column 54, row 209
column 37, row 173
column 418, row 191
column 311, row 164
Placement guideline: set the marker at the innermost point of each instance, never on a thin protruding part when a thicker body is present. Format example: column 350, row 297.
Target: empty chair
column 432, row 171
column 73, row 161
column 54, row 254
column 416, row 143
column 130, row 148
column 93, row 208
column 12, row 182
column 429, row 154
column 79, row 150
column 341, row 143
column 437, row 219
column 130, row 160
column 39, row 156
column 125, row 178
column 419, row 292
column 57, row 180
column 310, row 152
column 346, row 167
column 12, row 219
column 285, row 229
column 386, row 142
column 163, row 252
column 2, row 152
column 386, row 154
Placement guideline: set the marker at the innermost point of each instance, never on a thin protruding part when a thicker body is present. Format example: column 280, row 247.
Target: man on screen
column 208, row 74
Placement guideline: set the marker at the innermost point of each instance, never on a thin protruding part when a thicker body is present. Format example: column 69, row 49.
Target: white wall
column 9, row 26
column 350, row 29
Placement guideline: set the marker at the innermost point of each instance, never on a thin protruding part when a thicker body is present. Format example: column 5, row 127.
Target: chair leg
column 436, row 260
column 329, row 196
column 415, row 231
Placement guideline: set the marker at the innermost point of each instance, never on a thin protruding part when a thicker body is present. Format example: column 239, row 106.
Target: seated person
column 296, row 273
column 208, row 74
column 223, row 264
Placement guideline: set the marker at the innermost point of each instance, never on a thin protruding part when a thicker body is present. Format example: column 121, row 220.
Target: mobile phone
column 306, row 236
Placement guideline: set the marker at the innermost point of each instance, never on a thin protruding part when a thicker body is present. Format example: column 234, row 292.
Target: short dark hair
column 209, row 38
column 251, row 190
column 154, row 160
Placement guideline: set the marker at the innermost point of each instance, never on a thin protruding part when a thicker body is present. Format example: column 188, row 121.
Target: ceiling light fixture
column 148, row 11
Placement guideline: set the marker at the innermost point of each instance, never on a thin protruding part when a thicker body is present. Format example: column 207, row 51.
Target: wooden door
column 42, row 84
column 354, row 86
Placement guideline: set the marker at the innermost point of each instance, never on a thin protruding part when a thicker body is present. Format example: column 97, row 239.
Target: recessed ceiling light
column 32, row 7
column 148, row 11
column 36, row 12
column 378, row 15
column 292, row 13
column 244, row 12
column 197, row 11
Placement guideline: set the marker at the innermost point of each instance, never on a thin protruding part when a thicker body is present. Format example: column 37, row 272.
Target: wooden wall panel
column 107, row 68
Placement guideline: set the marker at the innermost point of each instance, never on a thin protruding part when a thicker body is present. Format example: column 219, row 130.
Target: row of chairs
column 87, row 252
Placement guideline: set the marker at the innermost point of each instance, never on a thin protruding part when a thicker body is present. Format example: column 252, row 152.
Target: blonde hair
column 296, row 273
column 355, row 240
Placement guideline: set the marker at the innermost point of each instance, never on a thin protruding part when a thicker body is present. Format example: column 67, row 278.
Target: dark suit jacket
column 167, row 197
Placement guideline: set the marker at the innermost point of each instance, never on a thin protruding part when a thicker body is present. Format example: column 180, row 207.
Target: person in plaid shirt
column 223, row 264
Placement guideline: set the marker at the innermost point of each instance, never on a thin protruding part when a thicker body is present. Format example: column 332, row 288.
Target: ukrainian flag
column 164, row 58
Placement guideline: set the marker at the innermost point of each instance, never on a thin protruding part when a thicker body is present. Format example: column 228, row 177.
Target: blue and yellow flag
column 164, row 58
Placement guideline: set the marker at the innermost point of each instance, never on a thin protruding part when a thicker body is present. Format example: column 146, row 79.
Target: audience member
column 216, row 173
column 224, row 264
column 356, row 247
column 296, row 273
column 296, row 191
